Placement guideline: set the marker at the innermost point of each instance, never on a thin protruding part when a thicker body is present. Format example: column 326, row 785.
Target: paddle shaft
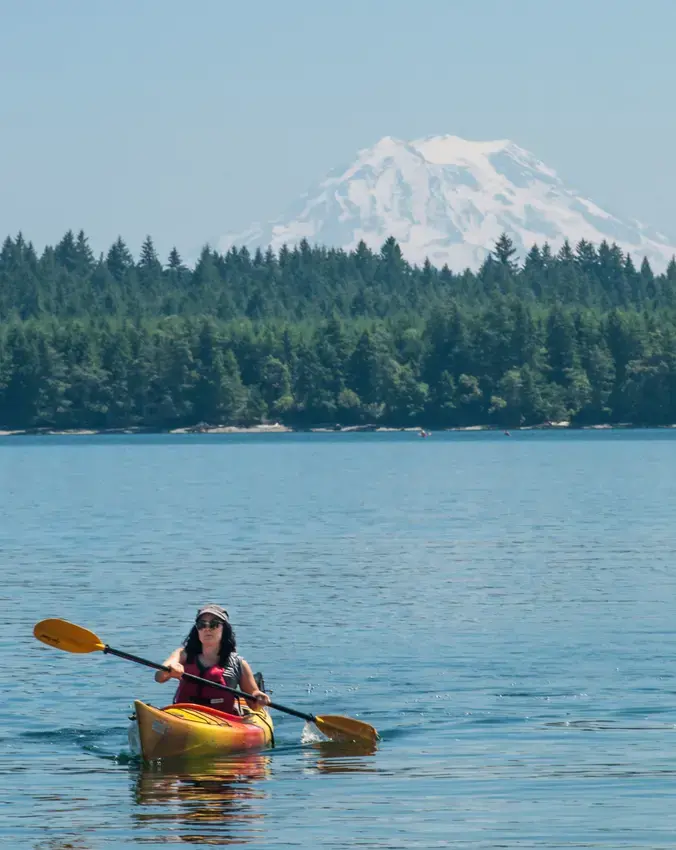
column 126, row 655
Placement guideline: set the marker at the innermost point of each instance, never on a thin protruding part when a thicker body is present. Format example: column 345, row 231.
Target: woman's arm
column 176, row 661
column 248, row 685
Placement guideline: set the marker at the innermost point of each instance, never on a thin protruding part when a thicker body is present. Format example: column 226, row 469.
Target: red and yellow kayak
column 190, row 730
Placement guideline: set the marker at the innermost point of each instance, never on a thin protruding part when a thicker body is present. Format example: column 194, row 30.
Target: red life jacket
column 198, row 694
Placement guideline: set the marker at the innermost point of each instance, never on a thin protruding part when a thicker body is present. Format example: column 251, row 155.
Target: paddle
column 71, row 638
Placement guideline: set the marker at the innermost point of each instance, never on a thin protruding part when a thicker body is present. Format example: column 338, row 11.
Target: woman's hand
column 261, row 697
column 175, row 672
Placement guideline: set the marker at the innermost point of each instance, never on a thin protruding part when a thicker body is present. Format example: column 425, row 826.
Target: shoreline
column 277, row 428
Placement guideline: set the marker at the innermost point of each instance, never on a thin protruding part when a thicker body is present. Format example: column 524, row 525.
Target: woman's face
column 210, row 631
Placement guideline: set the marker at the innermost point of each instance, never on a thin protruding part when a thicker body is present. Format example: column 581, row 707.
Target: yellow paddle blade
column 345, row 728
column 67, row 636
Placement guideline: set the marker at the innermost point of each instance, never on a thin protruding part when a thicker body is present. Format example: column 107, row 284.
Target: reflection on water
column 340, row 757
column 70, row 843
column 208, row 802
column 221, row 801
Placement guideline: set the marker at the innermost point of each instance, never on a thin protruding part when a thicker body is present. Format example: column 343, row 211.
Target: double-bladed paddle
column 71, row 638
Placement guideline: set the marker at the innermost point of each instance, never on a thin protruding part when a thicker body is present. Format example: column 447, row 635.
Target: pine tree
column 84, row 254
column 504, row 251
column 149, row 268
column 149, row 261
column 561, row 346
column 175, row 263
column 119, row 259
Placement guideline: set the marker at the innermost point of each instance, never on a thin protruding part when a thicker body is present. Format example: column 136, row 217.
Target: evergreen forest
column 313, row 336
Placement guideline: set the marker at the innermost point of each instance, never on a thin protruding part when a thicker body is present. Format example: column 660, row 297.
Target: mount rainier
column 449, row 199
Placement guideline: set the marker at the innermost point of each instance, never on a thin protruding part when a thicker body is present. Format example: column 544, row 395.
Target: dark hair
column 193, row 644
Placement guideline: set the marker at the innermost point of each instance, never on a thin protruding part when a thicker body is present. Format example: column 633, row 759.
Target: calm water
column 502, row 610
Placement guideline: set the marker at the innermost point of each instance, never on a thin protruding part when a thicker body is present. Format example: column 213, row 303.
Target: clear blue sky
column 188, row 120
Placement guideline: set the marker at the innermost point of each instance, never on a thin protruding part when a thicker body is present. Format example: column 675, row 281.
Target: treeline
column 314, row 336
column 310, row 283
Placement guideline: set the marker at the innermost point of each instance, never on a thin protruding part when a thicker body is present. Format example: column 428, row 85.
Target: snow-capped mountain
column 449, row 199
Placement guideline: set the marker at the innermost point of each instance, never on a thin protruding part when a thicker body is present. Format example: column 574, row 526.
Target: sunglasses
column 208, row 624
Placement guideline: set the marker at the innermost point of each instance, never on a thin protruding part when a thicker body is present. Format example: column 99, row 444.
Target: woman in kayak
column 209, row 651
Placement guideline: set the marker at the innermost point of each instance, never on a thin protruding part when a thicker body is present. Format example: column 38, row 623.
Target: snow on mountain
column 449, row 199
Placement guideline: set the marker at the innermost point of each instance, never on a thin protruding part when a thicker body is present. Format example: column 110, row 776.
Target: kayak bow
column 186, row 730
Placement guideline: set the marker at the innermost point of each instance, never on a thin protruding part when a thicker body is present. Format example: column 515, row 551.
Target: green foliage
column 317, row 336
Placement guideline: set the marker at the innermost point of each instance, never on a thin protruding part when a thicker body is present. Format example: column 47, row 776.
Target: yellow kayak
column 197, row 730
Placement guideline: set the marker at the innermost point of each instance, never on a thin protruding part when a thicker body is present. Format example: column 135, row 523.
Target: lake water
column 502, row 609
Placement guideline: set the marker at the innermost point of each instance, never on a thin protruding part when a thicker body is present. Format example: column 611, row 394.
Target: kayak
column 184, row 729
column 180, row 730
